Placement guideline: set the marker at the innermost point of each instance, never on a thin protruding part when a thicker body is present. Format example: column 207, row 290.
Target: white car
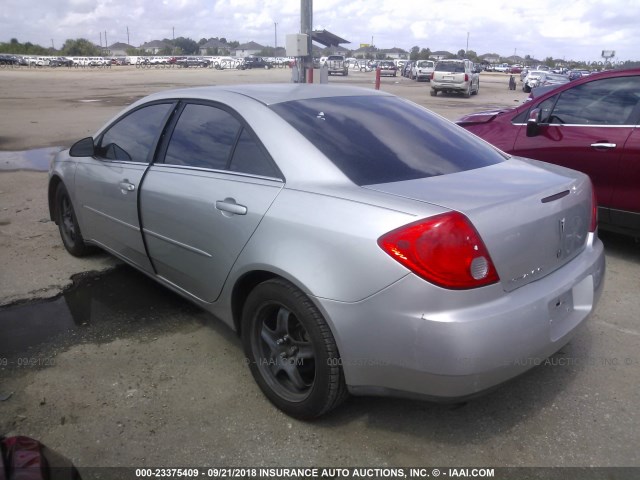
column 532, row 80
column 422, row 70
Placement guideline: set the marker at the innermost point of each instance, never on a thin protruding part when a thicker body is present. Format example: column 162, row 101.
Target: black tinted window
column 204, row 136
column 609, row 101
column 248, row 157
column 451, row 67
column 385, row 139
column 132, row 137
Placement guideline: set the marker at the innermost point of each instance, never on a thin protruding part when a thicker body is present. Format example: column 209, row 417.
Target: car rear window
column 451, row 67
column 385, row 139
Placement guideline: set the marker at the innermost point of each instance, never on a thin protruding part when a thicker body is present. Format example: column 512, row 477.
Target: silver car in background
column 356, row 241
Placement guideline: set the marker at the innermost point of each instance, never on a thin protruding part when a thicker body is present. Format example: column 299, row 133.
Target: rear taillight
column 445, row 250
column 593, row 224
column 466, row 77
column 432, row 75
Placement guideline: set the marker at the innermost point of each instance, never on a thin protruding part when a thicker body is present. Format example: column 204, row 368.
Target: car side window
column 609, row 101
column 204, row 137
column 133, row 136
column 545, row 109
column 248, row 157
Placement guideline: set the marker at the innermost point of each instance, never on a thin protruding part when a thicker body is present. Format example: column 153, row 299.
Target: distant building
column 246, row 49
column 396, row 53
column 491, row 58
column 214, row 45
column 154, row 47
column 441, row 55
column 119, row 49
column 365, row 52
column 336, row 50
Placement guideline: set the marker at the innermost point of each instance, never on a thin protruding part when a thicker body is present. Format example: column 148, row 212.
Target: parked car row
column 149, row 61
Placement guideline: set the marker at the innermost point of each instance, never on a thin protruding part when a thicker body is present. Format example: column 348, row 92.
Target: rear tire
column 70, row 233
column 291, row 351
column 433, row 92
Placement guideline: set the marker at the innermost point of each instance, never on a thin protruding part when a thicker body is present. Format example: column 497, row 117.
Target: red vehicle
column 592, row 125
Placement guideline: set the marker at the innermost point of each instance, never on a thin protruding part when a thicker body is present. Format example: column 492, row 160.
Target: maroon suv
column 591, row 124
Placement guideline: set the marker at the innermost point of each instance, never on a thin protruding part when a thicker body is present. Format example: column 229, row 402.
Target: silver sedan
column 356, row 242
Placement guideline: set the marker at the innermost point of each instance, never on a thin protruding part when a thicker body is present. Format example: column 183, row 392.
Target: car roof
column 268, row 94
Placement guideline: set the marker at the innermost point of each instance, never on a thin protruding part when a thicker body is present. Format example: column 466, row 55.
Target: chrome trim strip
column 102, row 214
column 577, row 125
column 178, row 244
column 213, row 170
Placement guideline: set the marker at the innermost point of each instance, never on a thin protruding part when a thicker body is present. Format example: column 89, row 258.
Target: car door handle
column 229, row 205
column 125, row 186
column 603, row 145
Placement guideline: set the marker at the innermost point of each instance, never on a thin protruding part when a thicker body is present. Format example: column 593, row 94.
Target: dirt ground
column 177, row 392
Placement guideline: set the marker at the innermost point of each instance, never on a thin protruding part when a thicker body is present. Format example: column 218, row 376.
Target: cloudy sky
column 573, row 29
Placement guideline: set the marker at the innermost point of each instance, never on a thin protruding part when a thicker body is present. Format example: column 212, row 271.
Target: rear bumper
column 450, row 87
column 416, row 340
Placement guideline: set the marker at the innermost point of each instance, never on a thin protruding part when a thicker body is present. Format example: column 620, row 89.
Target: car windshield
column 451, row 67
column 376, row 140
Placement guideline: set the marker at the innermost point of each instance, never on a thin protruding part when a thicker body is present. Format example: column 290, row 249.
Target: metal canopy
column 327, row 39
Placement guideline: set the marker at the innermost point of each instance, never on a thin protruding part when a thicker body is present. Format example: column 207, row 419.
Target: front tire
column 68, row 225
column 291, row 351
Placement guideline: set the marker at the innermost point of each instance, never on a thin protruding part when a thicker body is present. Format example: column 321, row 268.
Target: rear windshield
column 385, row 139
column 451, row 67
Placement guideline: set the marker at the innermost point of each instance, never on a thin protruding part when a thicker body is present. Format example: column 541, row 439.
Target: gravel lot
column 149, row 380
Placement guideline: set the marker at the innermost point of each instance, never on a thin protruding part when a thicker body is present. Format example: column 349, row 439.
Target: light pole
column 275, row 28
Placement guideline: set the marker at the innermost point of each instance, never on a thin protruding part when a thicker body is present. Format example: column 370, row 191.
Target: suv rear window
column 451, row 67
column 385, row 139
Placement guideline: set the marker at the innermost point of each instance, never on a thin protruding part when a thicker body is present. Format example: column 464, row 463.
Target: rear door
column 586, row 128
column 202, row 204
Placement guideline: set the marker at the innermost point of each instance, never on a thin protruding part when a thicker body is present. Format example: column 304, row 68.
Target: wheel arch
column 241, row 290
column 51, row 195
column 245, row 284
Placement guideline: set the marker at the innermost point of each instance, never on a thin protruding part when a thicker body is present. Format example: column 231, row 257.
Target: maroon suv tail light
column 445, row 250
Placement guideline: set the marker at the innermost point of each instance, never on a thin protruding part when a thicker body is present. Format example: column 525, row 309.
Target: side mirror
column 83, row 148
column 533, row 125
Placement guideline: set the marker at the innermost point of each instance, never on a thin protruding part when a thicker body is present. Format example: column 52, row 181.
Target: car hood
column 482, row 117
column 533, row 216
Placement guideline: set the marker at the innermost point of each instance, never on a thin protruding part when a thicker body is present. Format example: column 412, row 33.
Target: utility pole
column 106, row 44
column 306, row 22
column 100, row 39
column 128, row 42
column 467, row 43
column 173, row 29
column 275, row 27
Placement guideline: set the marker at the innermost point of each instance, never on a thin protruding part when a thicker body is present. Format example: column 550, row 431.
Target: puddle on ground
column 98, row 308
column 37, row 159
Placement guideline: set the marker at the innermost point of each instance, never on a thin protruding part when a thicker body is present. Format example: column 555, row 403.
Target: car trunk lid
column 533, row 217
